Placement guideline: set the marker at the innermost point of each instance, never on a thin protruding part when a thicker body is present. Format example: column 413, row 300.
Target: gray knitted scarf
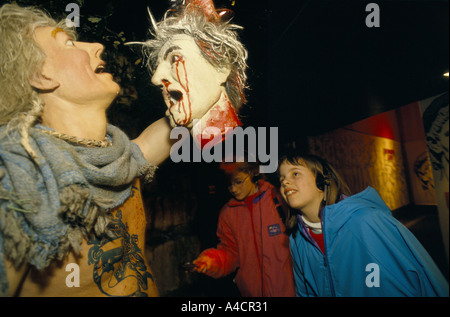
column 48, row 205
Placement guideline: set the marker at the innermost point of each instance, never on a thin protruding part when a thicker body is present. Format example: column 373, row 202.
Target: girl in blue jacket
column 346, row 245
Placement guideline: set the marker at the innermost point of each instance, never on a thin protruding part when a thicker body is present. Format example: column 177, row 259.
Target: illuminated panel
column 365, row 160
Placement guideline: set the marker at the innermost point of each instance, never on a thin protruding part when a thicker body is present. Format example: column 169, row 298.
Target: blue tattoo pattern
column 120, row 263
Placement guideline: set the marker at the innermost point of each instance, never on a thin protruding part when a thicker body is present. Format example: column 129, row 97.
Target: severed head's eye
column 175, row 58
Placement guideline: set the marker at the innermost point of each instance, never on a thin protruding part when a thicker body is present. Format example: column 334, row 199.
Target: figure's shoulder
column 228, row 207
column 10, row 143
column 368, row 221
column 228, row 212
column 362, row 210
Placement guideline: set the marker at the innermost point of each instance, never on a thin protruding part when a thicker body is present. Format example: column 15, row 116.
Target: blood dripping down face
column 190, row 85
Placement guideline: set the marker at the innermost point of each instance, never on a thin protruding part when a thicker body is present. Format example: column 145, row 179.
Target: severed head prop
column 197, row 60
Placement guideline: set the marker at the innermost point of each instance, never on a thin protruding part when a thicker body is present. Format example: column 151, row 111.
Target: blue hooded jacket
column 367, row 253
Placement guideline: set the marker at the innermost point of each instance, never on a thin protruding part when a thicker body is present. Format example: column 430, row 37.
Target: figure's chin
column 172, row 122
column 189, row 125
column 180, row 123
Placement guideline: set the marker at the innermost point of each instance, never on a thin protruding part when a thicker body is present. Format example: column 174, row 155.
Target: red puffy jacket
column 245, row 236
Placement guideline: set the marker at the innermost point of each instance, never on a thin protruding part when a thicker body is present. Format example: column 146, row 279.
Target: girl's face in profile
column 241, row 185
column 299, row 189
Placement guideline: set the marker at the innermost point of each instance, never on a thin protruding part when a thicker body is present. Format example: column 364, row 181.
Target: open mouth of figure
column 180, row 112
column 290, row 192
column 175, row 96
column 100, row 69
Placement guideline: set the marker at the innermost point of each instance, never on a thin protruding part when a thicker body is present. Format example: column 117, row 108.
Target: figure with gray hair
column 72, row 221
column 197, row 60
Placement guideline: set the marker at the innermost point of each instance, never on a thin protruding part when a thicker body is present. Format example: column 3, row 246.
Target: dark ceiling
column 326, row 68
column 316, row 66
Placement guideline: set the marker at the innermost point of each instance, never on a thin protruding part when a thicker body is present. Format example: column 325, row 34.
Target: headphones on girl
column 323, row 178
column 256, row 178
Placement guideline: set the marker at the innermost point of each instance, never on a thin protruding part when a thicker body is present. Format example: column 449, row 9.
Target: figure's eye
column 70, row 42
column 175, row 58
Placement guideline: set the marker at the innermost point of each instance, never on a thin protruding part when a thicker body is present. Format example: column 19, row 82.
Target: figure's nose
column 94, row 49
column 285, row 182
column 98, row 49
column 160, row 77
column 233, row 189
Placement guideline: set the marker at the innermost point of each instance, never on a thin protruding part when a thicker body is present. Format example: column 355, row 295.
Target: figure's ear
column 43, row 83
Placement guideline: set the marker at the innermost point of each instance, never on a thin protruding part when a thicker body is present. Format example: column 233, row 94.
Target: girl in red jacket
column 252, row 239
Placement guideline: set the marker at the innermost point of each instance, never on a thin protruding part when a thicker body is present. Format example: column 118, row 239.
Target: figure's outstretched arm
column 155, row 142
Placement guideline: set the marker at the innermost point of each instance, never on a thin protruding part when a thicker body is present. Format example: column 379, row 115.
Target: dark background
column 313, row 66
column 316, row 66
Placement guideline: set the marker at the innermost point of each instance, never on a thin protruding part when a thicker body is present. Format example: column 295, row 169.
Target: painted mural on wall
column 364, row 160
column 423, row 172
column 421, row 178
column 435, row 121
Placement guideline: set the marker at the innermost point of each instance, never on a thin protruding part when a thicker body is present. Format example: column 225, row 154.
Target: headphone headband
column 322, row 178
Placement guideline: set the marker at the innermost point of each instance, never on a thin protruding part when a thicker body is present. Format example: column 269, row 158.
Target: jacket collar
column 263, row 188
column 335, row 216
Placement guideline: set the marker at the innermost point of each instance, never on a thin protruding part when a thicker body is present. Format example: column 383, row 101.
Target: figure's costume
column 49, row 205
column 363, row 242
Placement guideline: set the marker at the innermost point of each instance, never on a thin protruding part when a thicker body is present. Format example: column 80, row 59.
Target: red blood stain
column 221, row 117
